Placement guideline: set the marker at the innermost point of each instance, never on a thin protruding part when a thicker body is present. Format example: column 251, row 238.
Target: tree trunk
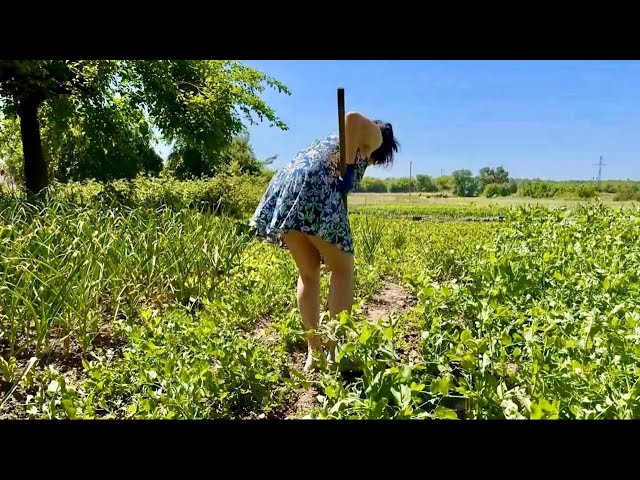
column 35, row 168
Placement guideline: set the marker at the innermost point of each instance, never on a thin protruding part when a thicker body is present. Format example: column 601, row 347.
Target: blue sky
column 546, row 119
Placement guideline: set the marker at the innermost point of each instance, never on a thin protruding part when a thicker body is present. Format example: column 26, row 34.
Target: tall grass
column 65, row 267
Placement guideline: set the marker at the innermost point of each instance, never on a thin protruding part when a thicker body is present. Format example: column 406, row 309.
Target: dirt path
column 393, row 298
column 390, row 298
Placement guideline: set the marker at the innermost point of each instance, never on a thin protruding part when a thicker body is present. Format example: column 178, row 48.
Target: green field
column 128, row 311
column 365, row 199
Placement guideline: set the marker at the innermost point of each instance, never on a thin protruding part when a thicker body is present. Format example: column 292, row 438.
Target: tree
column 401, row 185
column 489, row 176
column 464, row 184
column 103, row 142
column 199, row 104
column 11, row 149
column 185, row 162
column 425, row 183
column 486, row 175
column 501, row 175
column 372, row 185
column 444, row 183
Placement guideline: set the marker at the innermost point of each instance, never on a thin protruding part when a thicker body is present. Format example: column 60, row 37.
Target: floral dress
column 306, row 196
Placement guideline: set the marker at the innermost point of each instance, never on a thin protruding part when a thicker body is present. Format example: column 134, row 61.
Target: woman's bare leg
column 307, row 259
column 340, row 263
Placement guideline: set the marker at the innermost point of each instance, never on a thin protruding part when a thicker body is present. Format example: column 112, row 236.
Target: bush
column 426, row 183
column 585, row 191
column 228, row 193
column 402, row 185
column 537, row 189
column 444, row 183
column 492, row 190
column 609, row 187
column 509, row 188
column 372, row 185
column 627, row 193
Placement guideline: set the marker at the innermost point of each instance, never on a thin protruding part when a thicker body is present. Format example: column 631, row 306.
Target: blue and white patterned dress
column 305, row 196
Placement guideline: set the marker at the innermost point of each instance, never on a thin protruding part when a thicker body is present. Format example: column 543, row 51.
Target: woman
column 304, row 211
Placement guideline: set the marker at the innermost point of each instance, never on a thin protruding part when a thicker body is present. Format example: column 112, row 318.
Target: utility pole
column 410, row 163
column 600, row 165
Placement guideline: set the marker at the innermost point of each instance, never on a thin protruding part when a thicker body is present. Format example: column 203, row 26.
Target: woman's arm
column 360, row 134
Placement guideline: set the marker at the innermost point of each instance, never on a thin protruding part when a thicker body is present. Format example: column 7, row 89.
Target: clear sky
column 546, row 119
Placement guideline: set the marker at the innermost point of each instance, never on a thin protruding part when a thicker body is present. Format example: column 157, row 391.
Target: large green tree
column 426, row 183
column 99, row 115
column 489, row 175
column 464, row 183
column 186, row 162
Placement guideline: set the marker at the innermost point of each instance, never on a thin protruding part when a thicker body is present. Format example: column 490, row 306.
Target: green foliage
column 496, row 183
column 489, row 176
column 444, row 183
column 544, row 324
column 500, row 189
column 98, row 116
column 578, row 189
column 627, row 193
column 398, row 185
column 505, row 186
column 105, row 141
column 464, row 184
column 585, row 191
column 510, row 188
column 491, row 190
column 372, row 185
column 433, row 211
column 426, row 183
column 537, row 189
column 179, row 366
column 40, row 80
column 163, row 306
column 230, row 193
column 11, row 148
column 384, row 390
column 188, row 163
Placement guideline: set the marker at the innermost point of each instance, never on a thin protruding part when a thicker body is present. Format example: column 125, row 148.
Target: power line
column 600, row 165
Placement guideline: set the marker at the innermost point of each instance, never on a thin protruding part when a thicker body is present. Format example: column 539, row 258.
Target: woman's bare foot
column 314, row 353
column 330, row 346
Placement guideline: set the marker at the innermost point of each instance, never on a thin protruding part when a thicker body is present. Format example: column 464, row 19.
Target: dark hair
column 384, row 154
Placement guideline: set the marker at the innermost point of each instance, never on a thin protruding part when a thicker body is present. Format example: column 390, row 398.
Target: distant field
column 362, row 199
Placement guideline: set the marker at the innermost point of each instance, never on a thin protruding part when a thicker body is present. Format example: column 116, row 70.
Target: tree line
column 494, row 182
